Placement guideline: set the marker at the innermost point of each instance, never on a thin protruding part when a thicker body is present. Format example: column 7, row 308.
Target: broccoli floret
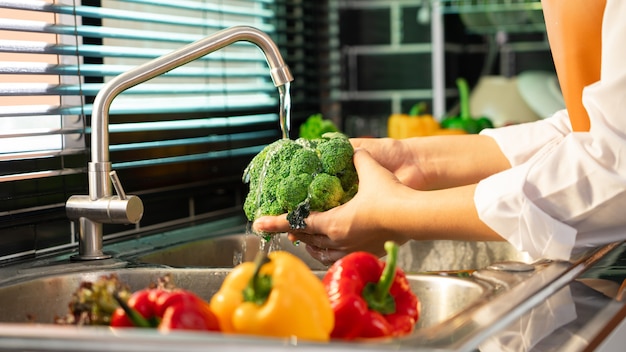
column 305, row 161
column 300, row 176
column 335, row 153
column 293, row 190
column 325, row 192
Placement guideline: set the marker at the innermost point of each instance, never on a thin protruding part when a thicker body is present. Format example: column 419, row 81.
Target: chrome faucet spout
column 279, row 72
column 100, row 206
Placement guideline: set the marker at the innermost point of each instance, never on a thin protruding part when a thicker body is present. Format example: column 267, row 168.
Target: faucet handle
column 123, row 209
column 117, row 185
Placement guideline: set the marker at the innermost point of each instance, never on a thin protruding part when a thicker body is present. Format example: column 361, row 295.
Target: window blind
column 55, row 57
column 180, row 141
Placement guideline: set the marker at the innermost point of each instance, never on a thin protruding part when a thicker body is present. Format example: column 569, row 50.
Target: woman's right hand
column 437, row 162
column 398, row 157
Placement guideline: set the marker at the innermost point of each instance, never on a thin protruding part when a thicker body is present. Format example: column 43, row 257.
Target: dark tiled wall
column 394, row 71
column 24, row 235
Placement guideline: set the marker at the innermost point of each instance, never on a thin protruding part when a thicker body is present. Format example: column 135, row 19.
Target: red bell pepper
column 370, row 298
column 166, row 310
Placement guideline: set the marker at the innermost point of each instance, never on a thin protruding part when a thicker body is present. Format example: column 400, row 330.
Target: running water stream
column 271, row 243
column 285, row 109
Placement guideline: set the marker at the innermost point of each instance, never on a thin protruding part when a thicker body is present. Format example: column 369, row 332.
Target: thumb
column 369, row 169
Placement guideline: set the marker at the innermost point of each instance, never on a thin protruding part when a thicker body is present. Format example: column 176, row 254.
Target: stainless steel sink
column 456, row 313
column 43, row 299
column 414, row 257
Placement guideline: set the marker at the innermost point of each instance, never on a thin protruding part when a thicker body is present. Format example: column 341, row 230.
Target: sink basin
column 414, row 257
column 223, row 252
column 456, row 313
column 41, row 300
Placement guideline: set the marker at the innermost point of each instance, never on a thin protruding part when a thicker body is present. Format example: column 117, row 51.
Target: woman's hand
column 358, row 225
column 437, row 162
column 397, row 156
column 417, row 188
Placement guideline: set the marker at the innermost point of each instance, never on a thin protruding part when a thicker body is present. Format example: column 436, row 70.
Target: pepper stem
column 461, row 83
column 418, row 109
column 259, row 286
column 133, row 315
column 389, row 272
column 377, row 294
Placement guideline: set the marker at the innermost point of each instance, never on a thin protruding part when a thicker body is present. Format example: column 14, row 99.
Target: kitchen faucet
column 100, row 206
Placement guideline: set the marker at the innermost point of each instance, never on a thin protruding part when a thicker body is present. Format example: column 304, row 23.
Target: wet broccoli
column 325, row 192
column 299, row 176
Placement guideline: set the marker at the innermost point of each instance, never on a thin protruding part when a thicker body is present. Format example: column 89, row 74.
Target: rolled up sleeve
column 566, row 191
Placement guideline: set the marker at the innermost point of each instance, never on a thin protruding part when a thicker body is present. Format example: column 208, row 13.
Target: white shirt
column 566, row 191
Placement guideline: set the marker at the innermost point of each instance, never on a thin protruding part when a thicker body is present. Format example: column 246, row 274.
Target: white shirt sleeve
column 566, row 191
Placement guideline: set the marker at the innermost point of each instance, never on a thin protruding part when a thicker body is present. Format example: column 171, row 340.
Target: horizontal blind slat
column 96, row 32
column 29, row 110
column 154, row 106
column 29, row 5
column 184, row 106
column 101, row 12
column 38, row 47
column 213, row 122
column 211, row 7
column 28, row 89
column 192, row 141
column 108, row 13
column 39, row 132
column 247, row 151
column 7, row 67
column 40, row 154
column 40, row 174
column 147, row 106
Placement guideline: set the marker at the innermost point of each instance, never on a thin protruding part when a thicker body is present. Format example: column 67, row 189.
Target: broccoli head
column 298, row 176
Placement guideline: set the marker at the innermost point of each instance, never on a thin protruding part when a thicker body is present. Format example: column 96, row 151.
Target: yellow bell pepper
column 416, row 124
column 277, row 295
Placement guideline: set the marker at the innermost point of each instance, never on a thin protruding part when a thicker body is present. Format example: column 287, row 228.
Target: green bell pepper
column 464, row 121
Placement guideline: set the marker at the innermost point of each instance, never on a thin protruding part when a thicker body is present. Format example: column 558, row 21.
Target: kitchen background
column 182, row 140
